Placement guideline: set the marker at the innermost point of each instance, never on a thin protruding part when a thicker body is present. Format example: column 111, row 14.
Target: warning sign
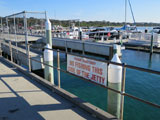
column 95, row 71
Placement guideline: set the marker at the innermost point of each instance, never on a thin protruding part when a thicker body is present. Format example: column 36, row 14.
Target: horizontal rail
column 125, row 94
column 114, row 63
column 36, row 12
column 108, row 62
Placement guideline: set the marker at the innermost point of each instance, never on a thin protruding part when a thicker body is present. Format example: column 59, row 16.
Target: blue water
column 143, row 28
column 140, row 84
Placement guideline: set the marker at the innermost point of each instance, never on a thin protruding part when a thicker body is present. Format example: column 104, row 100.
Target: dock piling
column 114, row 82
column 48, row 54
column 48, row 60
column 115, row 49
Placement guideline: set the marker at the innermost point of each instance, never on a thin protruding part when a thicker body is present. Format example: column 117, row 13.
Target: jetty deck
column 19, row 37
column 21, row 98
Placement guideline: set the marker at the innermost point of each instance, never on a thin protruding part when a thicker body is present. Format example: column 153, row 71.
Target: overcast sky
column 109, row 10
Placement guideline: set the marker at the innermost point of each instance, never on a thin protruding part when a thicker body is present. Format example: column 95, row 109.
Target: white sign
column 90, row 69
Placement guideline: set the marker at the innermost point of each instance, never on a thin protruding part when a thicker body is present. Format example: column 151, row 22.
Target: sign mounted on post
column 92, row 70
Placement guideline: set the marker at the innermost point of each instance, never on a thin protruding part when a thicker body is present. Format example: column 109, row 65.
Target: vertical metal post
column 1, row 34
column 15, row 32
column 83, row 47
column 7, row 28
column 7, row 25
column 10, row 48
column 2, row 24
column 151, row 47
column 66, row 46
column 122, row 91
column 0, row 48
column 26, row 31
column 125, row 12
column 28, row 55
column 79, row 32
column 58, row 68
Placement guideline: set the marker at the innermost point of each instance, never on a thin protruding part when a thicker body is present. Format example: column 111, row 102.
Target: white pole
column 48, row 32
column 115, row 49
column 114, row 82
column 48, row 54
column 48, row 60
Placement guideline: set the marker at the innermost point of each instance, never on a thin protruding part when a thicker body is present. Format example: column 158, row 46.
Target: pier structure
column 26, row 96
column 11, row 50
column 91, row 108
column 144, row 39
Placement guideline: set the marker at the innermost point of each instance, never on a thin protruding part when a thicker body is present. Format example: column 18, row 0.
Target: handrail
column 109, row 62
column 114, row 63
column 128, row 95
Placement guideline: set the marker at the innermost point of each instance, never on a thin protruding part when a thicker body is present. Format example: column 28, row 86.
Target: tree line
column 66, row 23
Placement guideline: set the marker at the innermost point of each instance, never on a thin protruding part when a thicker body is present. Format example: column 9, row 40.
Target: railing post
column 58, row 68
column 15, row 31
column 122, row 91
column 10, row 48
column 0, row 48
column 25, row 28
column 151, row 46
column 83, row 47
column 28, row 55
column 66, row 46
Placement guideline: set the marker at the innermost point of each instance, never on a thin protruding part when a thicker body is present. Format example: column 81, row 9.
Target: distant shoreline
column 67, row 23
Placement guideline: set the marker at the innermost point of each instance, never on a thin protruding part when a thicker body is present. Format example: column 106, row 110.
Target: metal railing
column 145, row 37
column 124, row 66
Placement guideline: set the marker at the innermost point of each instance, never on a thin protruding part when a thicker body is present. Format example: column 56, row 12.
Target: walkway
column 24, row 99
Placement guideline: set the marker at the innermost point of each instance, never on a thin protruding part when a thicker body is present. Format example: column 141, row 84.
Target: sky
column 89, row 10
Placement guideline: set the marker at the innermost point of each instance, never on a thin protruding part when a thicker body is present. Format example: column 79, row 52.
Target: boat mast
column 125, row 13
column 132, row 12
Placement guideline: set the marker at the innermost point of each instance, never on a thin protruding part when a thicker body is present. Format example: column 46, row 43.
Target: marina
column 78, row 69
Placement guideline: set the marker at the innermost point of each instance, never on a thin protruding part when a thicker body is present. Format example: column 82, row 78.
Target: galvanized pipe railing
column 122, row 92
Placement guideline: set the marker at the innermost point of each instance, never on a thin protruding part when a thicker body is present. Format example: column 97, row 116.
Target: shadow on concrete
column 18, row 108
